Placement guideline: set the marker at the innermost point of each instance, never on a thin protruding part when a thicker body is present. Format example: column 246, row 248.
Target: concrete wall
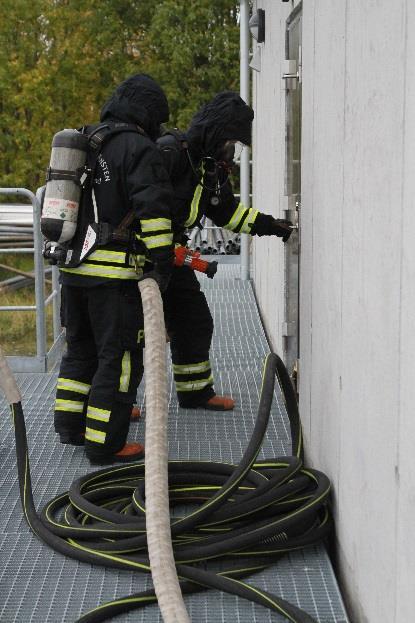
column 357, row 358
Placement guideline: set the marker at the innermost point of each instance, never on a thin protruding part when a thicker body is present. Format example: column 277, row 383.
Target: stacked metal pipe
column 16, row 230
column 16, row 283
column 213, row 240
column 16, row 226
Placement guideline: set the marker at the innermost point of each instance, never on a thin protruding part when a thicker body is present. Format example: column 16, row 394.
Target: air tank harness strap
column 106, row 233
column 102, row 132
column 95, row 140
column 78, row 176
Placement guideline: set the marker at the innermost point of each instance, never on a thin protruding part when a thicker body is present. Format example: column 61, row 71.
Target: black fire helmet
column 225, row 117
column 139, row 100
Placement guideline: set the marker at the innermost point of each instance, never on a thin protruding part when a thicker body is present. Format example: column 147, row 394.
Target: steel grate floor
column 38, row 585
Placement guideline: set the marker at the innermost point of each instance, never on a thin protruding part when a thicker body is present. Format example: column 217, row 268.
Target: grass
column 22, row 261
column 18, row 328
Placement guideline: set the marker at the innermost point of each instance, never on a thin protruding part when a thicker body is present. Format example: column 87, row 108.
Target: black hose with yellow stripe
column 247, row 515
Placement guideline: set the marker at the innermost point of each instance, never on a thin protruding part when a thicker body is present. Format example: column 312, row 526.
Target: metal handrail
column 40, row 301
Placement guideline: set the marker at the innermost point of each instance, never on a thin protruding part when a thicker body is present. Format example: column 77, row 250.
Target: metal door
column 292, row 78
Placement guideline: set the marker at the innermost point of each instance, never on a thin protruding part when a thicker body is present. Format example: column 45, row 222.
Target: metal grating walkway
column 38, row 585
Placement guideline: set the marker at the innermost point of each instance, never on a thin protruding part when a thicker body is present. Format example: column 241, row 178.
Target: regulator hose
column 247, row 516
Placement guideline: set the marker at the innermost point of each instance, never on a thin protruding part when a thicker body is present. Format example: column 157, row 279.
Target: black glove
column 161, row 272
column 47, row 252
column 282, row 228
column 53, row 252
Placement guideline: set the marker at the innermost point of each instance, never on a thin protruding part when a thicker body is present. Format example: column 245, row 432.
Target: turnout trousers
column 189, row 325
column 103, row 365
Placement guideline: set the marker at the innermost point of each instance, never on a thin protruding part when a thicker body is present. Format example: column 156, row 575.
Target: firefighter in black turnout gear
column 101, row 305
column 199, row 162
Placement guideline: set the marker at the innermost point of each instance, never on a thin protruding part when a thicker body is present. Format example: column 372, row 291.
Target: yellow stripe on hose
column 126, row 600
column 124, row 561
column 261, row 594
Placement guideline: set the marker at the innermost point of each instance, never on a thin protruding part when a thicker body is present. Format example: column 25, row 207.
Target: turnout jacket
column 195, row 196
column 128, row 174
column 201, row 192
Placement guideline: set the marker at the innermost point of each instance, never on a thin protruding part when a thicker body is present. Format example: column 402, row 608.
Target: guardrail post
column 244, row 91
column 39, row 273
column 56, row 303
column 40, row 279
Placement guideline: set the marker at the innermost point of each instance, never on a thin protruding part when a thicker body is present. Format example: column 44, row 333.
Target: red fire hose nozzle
column 187, row 257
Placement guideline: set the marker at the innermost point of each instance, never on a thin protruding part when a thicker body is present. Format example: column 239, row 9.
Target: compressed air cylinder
column 62, row 196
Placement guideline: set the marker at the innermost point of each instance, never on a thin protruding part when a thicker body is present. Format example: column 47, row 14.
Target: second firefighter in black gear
column 198, row 162
column 101, row 305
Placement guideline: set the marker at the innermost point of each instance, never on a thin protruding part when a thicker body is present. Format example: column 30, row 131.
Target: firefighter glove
column 282, row 228
column 162, row 270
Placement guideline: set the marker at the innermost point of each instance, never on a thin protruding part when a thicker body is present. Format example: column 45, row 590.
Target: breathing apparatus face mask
column 228, row 152
column 223, row 158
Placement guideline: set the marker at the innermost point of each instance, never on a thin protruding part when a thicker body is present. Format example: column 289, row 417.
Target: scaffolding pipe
column 193, row 238
column 57, row 329
column 40, row 276
column 245, row 156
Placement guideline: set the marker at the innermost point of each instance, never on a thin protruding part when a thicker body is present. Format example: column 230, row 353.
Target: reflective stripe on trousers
column 192, row 376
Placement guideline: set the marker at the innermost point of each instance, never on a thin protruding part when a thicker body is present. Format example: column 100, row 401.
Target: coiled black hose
column 247, row 516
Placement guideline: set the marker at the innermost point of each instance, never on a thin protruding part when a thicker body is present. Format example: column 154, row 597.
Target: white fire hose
column 160, row 550
column 7, row 381
column 79, row 542
column 163, row 568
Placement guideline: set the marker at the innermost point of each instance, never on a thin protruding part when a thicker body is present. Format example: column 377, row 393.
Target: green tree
column 60, row 59
column 195, row 52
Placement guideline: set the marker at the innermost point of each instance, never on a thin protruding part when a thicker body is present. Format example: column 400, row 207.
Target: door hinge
column 289, row 329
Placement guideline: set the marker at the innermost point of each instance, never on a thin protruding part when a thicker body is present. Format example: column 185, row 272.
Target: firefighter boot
column 135, row 414
column 132, row 451
column 219, row 403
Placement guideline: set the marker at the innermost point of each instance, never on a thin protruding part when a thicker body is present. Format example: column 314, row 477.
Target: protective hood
column 139, row 100
column 225, row 117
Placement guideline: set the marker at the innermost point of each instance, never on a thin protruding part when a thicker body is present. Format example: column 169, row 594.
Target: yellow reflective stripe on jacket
column 73, row 386
column 155, row 224
column 236, row 217
column 249, row 221
column 162, row 240
column 95, row 435
column 194, row 208
column 109, row 272
column 102, row 255
column 125, row 372
column 115, row 257
column 191, row 368
column 75, row 406
column 190, row 386
column 102, row 415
